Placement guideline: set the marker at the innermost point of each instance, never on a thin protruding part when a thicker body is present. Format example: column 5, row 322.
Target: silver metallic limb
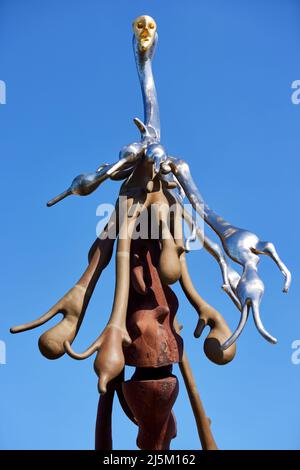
column 240, row 245
column 267, row 248
column 192, row 237
column 123, row 173
column 238, row 331
column 230, row 276
column 86, row 183
column 259, row 325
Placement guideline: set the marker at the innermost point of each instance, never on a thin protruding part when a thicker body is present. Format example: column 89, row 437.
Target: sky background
column 223, row 73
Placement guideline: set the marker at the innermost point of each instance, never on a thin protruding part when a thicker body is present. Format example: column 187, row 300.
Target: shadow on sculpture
column 142, row 330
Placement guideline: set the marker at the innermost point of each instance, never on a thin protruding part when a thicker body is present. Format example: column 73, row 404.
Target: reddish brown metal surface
column 103, row 434
column 151, row 310
column 151, row 402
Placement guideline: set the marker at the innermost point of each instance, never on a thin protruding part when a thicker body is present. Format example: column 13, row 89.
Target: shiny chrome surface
column 242, row 246
column 144, row 53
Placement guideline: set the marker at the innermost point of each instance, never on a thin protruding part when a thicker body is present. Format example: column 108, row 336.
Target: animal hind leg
column 267, row 248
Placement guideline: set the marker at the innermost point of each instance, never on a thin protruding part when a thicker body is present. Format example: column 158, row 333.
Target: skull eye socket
column 139, row 25
column 151, row 25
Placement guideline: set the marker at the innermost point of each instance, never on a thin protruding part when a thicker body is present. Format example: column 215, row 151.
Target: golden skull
column 144, row 28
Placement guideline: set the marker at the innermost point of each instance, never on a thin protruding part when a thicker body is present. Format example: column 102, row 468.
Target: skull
column 144, row 28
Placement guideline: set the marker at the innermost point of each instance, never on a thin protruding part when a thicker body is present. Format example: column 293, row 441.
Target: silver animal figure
column 242, row 246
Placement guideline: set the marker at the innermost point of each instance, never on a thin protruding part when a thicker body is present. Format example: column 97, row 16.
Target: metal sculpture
column 142, row 329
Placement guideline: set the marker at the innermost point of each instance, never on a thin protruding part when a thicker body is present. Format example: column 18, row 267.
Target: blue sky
column 223, row 72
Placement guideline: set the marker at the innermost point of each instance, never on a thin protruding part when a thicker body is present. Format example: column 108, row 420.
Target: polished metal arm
column 241, row 246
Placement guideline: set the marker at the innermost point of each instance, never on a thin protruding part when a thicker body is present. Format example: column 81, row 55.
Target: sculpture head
column 144, row 28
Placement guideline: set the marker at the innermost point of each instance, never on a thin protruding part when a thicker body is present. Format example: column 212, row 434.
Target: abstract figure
column 142, row 330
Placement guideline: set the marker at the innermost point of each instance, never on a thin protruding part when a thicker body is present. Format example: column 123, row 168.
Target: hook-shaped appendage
column 249, row 290
column 208, row 316
column 109, row 361
column 74, row 303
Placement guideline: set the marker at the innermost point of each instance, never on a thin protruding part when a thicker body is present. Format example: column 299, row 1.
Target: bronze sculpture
column 142, row 330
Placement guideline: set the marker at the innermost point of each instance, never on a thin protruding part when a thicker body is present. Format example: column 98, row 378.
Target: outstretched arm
column 74, row 303
column 86, row 183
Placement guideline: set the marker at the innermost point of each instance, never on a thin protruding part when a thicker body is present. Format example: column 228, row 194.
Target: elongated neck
column 144, row 68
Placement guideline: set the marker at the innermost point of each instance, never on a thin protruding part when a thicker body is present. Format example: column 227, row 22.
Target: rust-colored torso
column 151, row 310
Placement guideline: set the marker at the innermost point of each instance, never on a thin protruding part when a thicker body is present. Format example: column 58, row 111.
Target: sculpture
column 142, row 329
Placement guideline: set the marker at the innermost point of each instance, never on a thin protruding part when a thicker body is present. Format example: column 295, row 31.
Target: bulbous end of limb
column 110, row 360
column 50, row 347
column 51, row 343
column 214, row 341
column 169, row 267
column 212, row 349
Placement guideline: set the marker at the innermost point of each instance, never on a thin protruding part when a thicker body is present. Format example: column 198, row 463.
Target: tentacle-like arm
column 74, row 303
column 240, row 245
column 110, row 361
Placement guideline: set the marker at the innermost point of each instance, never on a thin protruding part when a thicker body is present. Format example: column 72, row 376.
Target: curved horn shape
column 109, row 361
column 259, row 325
column 208, row 316
column 243, row 320
column 84, row 355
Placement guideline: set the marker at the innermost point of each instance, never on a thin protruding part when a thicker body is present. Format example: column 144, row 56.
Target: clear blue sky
column 223, row 72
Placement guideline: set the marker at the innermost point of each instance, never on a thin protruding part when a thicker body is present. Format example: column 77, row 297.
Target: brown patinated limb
column 74, row 303
column 202, row 421
column 110, row 361
column 208, row 316
column 103, row 431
